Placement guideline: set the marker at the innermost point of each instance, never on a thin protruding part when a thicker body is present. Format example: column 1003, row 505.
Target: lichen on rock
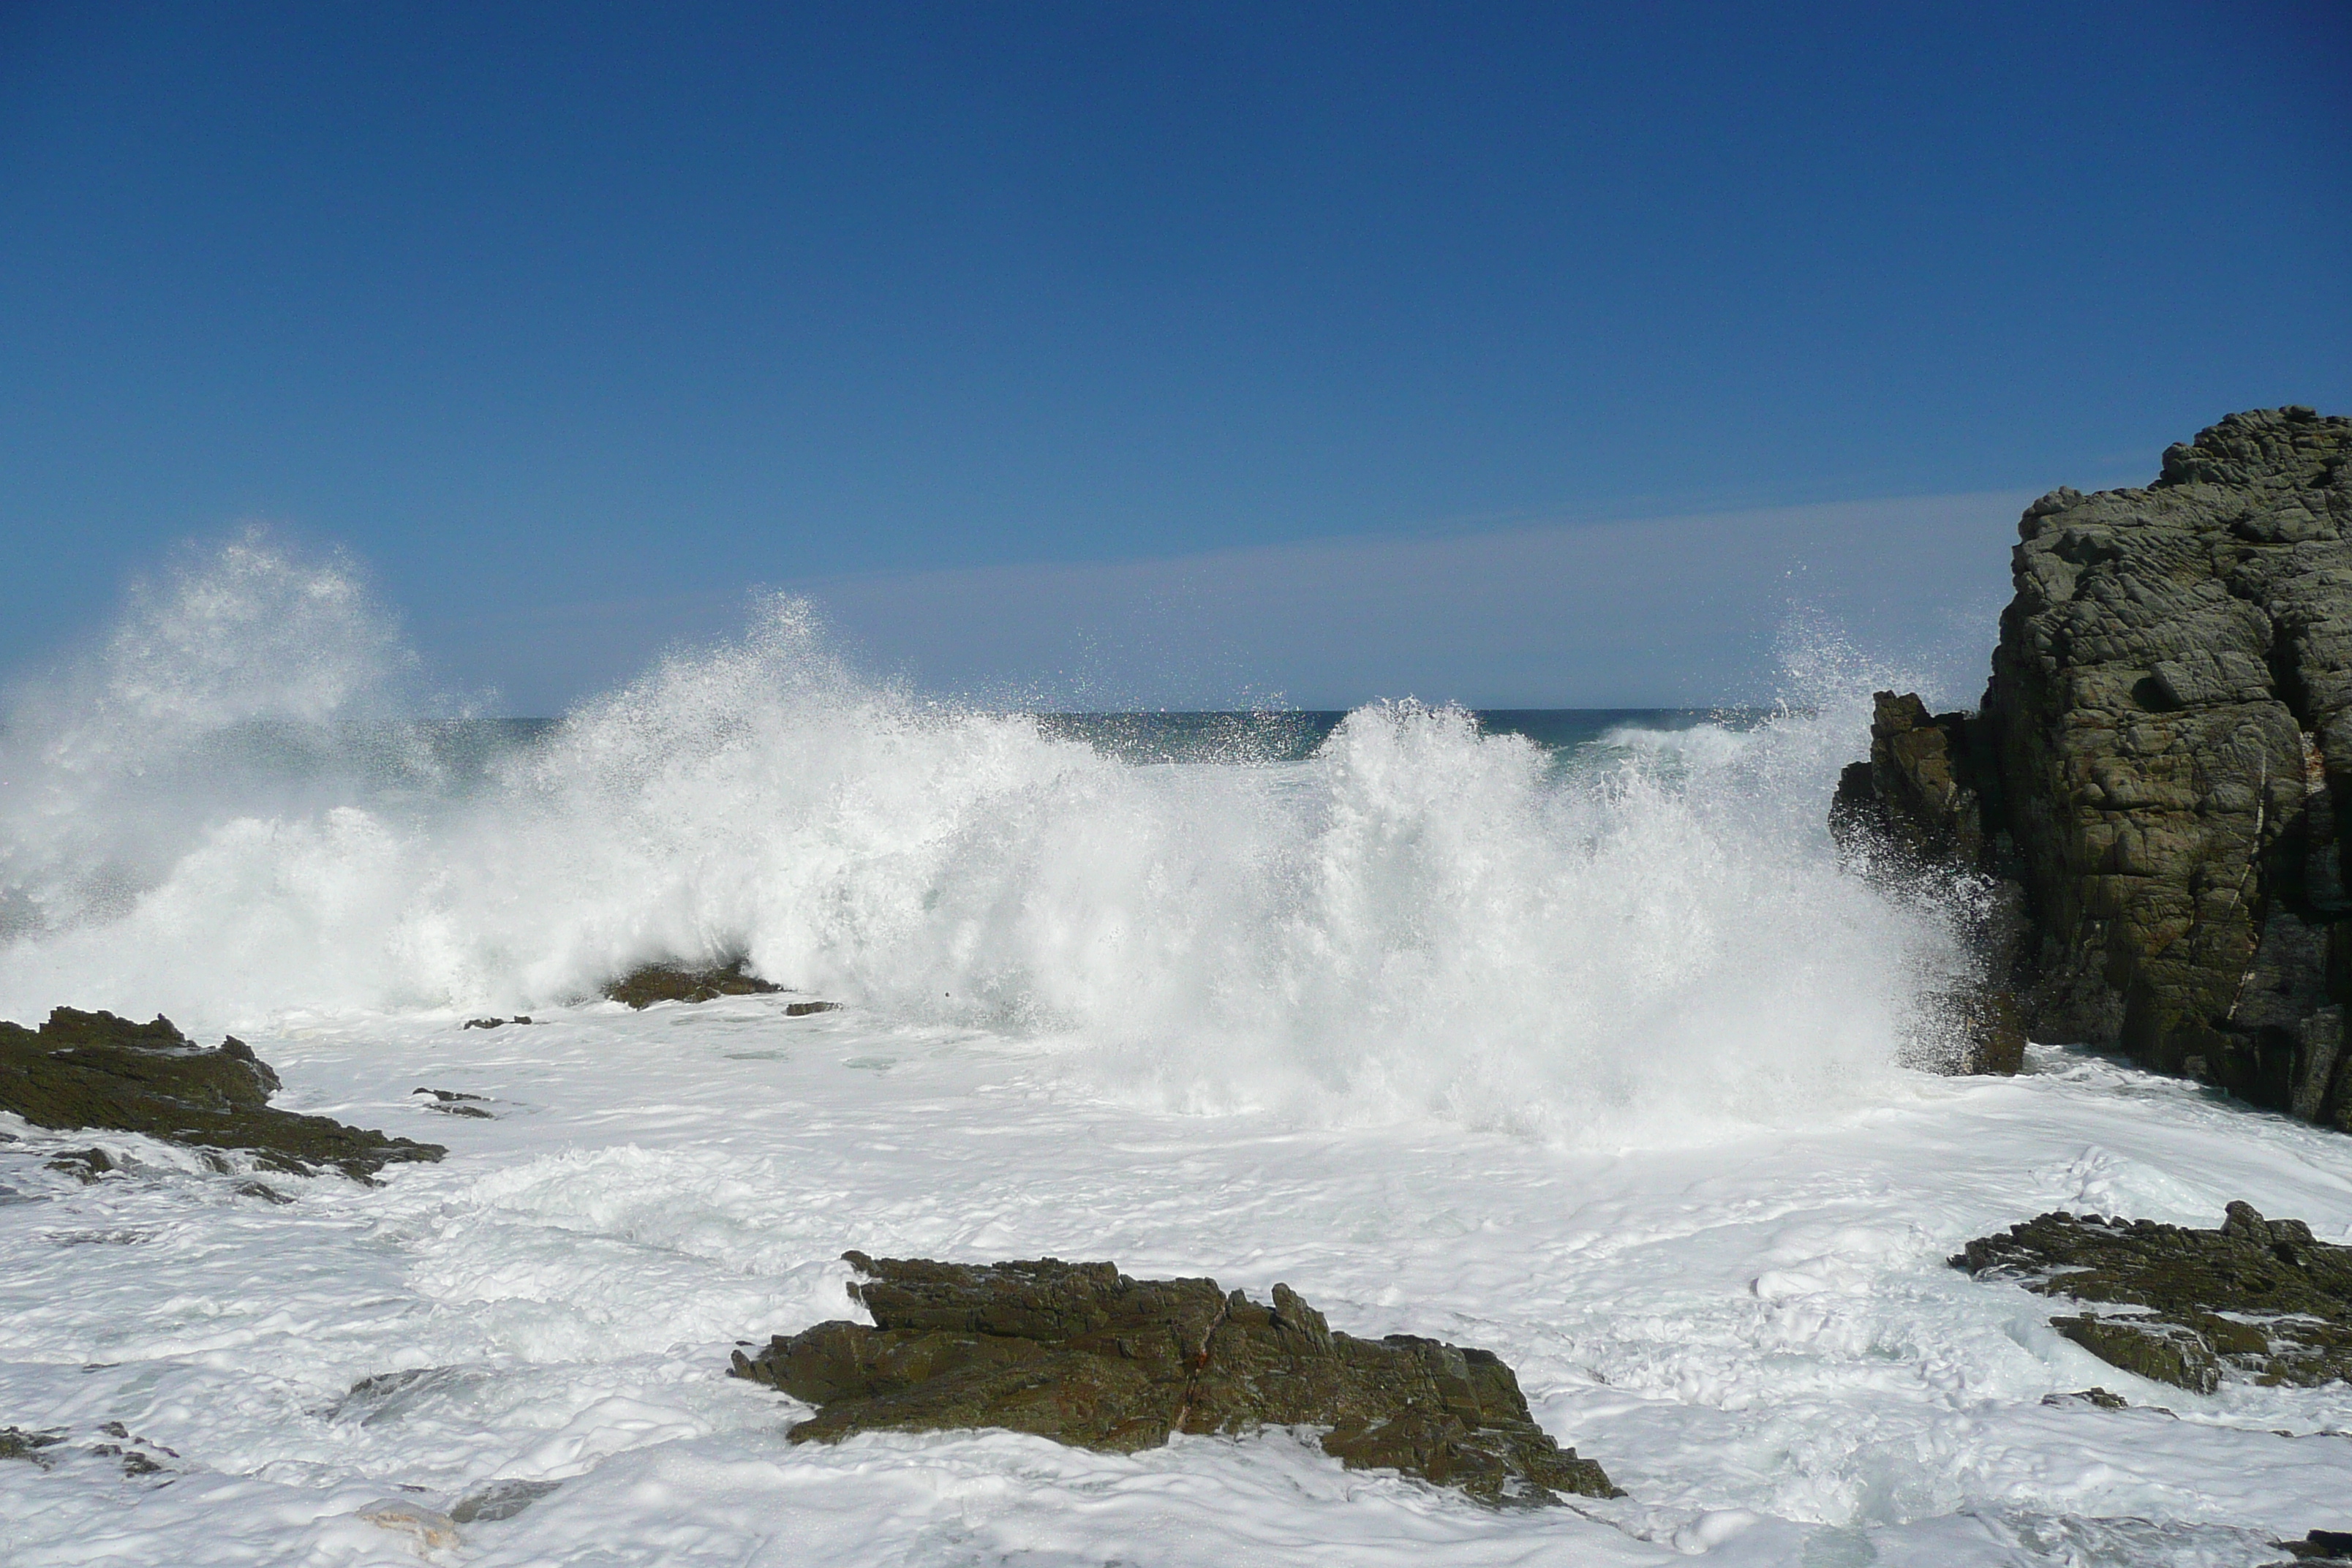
column 1083, row 1355
column 2258, row 1299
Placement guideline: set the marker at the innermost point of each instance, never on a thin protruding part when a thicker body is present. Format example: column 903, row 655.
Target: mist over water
column 226, row 813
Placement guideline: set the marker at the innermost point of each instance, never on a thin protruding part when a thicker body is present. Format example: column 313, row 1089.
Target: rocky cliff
column 2163, row 764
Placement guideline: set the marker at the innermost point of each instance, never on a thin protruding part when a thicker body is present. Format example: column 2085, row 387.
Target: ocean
column 1560, row 1033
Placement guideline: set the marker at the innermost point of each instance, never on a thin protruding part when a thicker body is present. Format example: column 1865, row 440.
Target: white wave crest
column 1419, row 918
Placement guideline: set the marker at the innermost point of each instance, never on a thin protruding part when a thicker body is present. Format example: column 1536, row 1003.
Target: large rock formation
column 95, row 1070
column 1083, row 1355
column 2161, row 764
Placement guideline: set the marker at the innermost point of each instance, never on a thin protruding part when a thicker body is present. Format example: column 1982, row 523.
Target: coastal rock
column 1917, row 802
column 652, row 983
column 1083, row 1355
column 2160, row 769
column 2170, row 713
column 1915, row 818
column 94, row 1070
column 2258, row 1298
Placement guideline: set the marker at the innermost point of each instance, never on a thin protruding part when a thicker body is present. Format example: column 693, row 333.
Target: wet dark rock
column 1918, row 796
column 266, row 1192
column 2093, row 1398
column 135, row 1455
column 85, row 1165
column 2161, row 764
column 2258, row 1299
column 449, row 1102
column 499, row 1500
column 2320, row 1546
column 495, row 1023
column 18, row 1443
column 1973, row 1029
column 2172, row 710
column 95, row 1070
column 803, row 1009
column 1913, row 819
column 655, row 982
column 1083, row 1355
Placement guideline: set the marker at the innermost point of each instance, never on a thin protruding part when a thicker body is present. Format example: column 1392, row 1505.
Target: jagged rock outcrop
column 1914, row 817
column 2160, row 764
column 2171, row 711
column 2258, row 1298
column 1083, row 1355
column 95, row 1070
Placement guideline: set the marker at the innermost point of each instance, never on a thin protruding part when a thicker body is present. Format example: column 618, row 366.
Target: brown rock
column 1083, row 1355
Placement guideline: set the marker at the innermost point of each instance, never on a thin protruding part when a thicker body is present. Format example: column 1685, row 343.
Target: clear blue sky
column 590, row 312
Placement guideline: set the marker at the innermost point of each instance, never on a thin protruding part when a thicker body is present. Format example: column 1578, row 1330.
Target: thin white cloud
column 1657, row 611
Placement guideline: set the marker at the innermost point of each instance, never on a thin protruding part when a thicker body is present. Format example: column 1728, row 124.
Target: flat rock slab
column 1083, row 1355
column 2258, row 1298
column 95, row 1070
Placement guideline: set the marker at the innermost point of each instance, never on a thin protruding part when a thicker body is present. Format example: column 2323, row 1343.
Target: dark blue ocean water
column 1291, row 735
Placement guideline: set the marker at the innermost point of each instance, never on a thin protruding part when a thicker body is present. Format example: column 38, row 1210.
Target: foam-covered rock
column 2256, row 1297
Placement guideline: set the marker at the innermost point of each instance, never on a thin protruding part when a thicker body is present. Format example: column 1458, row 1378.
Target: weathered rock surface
column 2171, row 713
column 95, row 1070
column 1083, row 1355
column 641, row 988
column 2160, row 764
column 2258, row 1298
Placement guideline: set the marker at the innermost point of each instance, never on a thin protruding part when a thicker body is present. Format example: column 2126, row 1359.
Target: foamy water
column 1589, row 1056
column 221, row 820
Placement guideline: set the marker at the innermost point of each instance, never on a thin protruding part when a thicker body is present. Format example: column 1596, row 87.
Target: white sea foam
column 1419, row 917
column 1640, row 945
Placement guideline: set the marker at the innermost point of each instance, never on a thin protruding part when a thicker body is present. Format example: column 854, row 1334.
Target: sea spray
column 1647, row 941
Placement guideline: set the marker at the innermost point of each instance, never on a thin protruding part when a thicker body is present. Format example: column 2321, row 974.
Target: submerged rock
column 495, row 1501
column 1083, row 1355
column 18, row 1443
column 98, row 1071
column 653, row 983
column 2258, row 1298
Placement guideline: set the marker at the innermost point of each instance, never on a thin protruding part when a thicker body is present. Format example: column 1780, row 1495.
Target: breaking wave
column 229, row 813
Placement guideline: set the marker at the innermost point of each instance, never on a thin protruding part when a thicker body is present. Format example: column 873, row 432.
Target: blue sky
column 575, row 322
